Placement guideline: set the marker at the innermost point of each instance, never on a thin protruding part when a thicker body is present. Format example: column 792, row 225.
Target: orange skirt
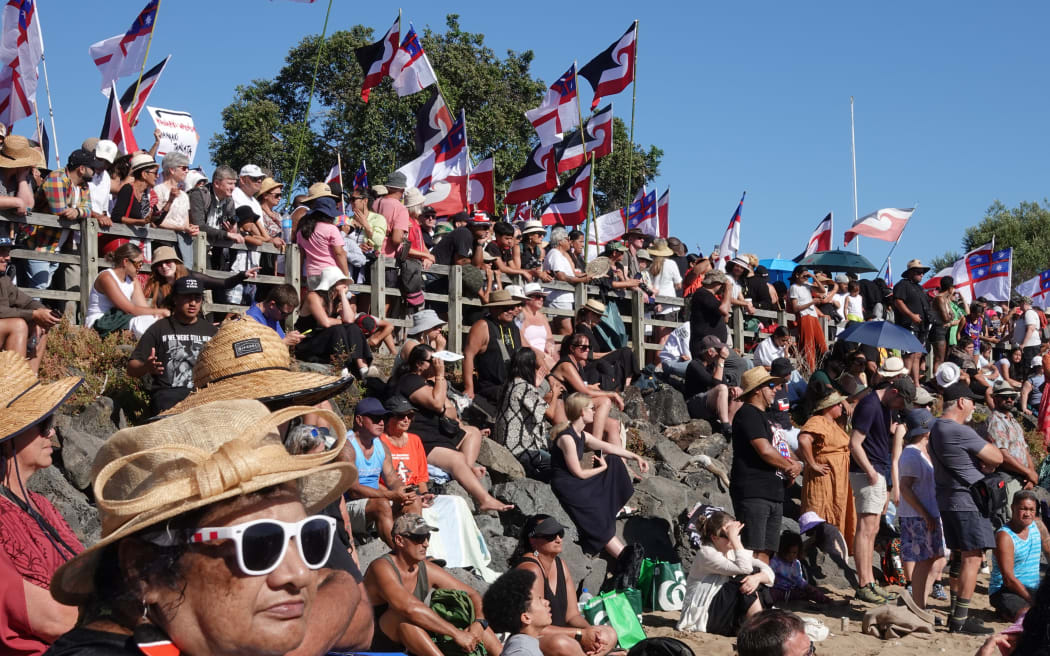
column 811, row 339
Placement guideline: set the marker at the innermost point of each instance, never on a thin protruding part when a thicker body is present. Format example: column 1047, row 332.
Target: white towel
column 458, row 541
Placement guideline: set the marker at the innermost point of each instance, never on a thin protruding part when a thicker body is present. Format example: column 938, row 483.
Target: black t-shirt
column 873, row 419
column 733, row 369
column 127, row 206
column 698, row 378
column 505, row 254
column 779, row 412
column 705, row 318
column 751, row 476
column 425, row 423
column 178, row 346
column 458, row 243
column 915, row 299
column 88, row 642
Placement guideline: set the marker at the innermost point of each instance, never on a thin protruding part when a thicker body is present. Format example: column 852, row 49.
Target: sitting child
column 789, row 583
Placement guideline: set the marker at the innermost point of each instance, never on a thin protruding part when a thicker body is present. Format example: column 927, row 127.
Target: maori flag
column 361, row 176
column 663, row 212
column 537, row 177
column 599, row 141
column 523, row 212
column 611, row 71
column 410, row 69
column 570, row 204
column 559, row 111
column 21, row 50
column 375, row 58
column 115, row 127
column 447, row 159
column 433, row 121
column 482, row 190
column 131, row 103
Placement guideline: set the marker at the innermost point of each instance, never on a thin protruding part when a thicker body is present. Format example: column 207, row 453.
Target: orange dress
column 830, row 495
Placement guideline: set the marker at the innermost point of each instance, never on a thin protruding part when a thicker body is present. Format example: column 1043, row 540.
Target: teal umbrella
column 845, row 261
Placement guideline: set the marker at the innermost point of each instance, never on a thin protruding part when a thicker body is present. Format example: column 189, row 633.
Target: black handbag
column 989, row 493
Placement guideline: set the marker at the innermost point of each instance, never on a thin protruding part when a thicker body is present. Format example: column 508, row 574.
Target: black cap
column 781, row 368
column 546, row 526
column 187, row 285
column 957, row 391
column 245, row 214
column 398, row 405
column 81, row 157
column 905, row 388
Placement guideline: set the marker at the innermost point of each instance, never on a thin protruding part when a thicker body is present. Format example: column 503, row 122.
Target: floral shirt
column 1008, row 435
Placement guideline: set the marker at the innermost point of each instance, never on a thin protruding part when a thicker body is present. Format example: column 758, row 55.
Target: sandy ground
column 853, row 642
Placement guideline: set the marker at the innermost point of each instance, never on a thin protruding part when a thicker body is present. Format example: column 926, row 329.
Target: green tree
column 263, row 124
column 943, row 261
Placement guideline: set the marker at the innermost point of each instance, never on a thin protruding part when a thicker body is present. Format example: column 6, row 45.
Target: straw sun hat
column 147, row 474
column 17, row 152
column 247, row 360
column 24, row 400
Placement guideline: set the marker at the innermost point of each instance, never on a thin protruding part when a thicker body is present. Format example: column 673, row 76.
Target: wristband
column 579, row 635
column 483, row 622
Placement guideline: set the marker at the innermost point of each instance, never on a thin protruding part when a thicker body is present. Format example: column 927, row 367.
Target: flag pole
column 583, row 142
column 149, row 42
column 47, row 88
column 853, row 157
column 309, row 103
column 634, row 96
column 342, row 189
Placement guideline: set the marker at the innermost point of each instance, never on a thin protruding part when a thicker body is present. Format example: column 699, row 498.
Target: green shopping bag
column 620, row 609
column 662, row 585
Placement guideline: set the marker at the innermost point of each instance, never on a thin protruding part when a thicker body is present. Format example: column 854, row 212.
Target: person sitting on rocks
column 369, row 502
column 398, row 584
column 23, row 320
column 539, row 553
column 116, row 301
column 327, row 323
column 425, row 329
column 512, row 606
column 712, row 383
column 616, row 367
column 489, row 345
column 1015, row 569
column 526, row 411
column 724, row 581
column 576, row 375
column 675, row 355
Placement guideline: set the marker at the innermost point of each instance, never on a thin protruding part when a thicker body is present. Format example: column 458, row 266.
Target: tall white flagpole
column 47, row 87
column 853, row 155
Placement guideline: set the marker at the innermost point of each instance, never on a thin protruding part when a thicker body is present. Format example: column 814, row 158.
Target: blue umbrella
column 779, row 270
column 882, row 334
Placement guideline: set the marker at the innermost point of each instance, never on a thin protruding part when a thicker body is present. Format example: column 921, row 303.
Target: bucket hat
column 330, row 276
column 424, row 321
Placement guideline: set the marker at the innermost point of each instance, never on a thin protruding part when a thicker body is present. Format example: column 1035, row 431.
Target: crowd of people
column 246, row 452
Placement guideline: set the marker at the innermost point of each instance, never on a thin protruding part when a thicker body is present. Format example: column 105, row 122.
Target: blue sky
column 950, row 97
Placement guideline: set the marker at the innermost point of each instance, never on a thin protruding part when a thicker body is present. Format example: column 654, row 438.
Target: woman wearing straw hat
column 34, row 538
column 17, row 161
column 326, row 321
column 167, row 267
column 132, row 206
column 215, row 547
column 824, row 447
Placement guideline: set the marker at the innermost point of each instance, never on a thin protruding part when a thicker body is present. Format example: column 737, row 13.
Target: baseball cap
column 370, row 407
column 905, row 388
column 919, row 421
column 398, row 405
column 367, row 324
column 957, row 391
column 922, row 396
column 412, row 524
column 712, row 342
column 1037, row 361
column 187, row 285
column 781, row 368
column 251, row 171
column 106, row 150
column 81, row 157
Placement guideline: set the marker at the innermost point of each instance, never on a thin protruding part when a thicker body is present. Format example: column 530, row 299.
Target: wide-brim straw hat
column 659, row 248
column 916, row 264
column 268, row 185
column 18, row 152
column 165, row 254
column 740, row 262
column 247, row 360
column 147, row 474
column 318, row 190
column 142, row 162
column 829, row 401
column 598, row 267
column 24, row 400
column 533, row 226
column 595, row 306
column 502, row 298
column 330, row 276
column 892, row 367
column 756, row 377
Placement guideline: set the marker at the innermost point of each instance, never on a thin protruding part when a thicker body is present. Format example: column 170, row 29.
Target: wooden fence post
column 579, row 295
column 379, row 287
column 637, row 327
column 455, row 309
column 293, row 272
column 738, row 329
column 88, row 261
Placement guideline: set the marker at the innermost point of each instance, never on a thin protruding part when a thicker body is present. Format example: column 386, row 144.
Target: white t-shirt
column 554, row 262
column 1021, row 326
column 839, row 300
column 178, row 215
column 677, row 345
column 801, row 294
column 767, row 351
column 99, row 186
column 855, row 305
column 664, row 284
column 241, row 198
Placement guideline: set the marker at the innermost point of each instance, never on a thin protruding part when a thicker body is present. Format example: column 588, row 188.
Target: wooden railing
column 90, row 263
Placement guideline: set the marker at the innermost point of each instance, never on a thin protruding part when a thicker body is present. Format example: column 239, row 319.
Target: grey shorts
column 762, row 519
column 358, row 521
column 870, row 499
column 967, row 530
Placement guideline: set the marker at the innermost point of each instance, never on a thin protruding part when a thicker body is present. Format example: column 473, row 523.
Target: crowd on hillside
column 877, row 453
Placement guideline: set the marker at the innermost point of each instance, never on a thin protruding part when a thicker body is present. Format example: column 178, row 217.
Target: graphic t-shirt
column 177, row 346
column 410, row 461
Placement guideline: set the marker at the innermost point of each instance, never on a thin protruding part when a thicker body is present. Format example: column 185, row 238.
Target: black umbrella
column 839, row 260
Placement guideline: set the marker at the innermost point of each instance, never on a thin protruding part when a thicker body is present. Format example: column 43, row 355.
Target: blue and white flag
column 1038, row 289
column 984, row 272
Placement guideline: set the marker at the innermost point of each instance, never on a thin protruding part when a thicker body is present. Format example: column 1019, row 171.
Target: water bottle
column 584, row 598
column 286, row 227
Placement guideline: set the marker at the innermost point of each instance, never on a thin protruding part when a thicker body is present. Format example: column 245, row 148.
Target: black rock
column 73, row 505
column 667, row 406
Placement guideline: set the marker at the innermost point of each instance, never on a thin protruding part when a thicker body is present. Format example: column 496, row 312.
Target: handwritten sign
column 177, row 133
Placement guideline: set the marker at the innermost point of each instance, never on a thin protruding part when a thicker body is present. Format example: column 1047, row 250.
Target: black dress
column 592, row 503
column 344, row 340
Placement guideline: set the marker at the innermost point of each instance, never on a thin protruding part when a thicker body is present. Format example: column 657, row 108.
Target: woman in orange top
column 824, row 446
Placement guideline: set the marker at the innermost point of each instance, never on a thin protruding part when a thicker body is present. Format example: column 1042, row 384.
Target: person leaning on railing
column 116, row 301
column 560, row 266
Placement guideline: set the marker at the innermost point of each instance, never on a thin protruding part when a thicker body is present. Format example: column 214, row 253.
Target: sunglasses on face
column 259, row 179
column 45, row 426
column 581, row 346
column 552, row 538
column 405, row 415
column 262, row 544
column 418, row 539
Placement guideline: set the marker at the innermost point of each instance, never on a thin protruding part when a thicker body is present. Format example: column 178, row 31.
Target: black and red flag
column 599, row 141
column 571, row 203
column 612, row 70
column 133, row 103
column 433, row 122
column 375, row 58
column 537, row 177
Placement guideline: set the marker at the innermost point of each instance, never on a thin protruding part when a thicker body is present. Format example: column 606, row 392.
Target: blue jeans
column 36, row 274
column 677, row 367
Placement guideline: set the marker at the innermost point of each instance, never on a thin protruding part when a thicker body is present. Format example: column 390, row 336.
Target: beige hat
column 659, row 248
column 165, row 254
column 829, row 401
column 598, row 267
column 268, row 185
column 24, row 400
column 892, row 367
column 247, row 360
column 595, row 306
column 146, row 474
column 17, row 152
column 143, row 162
column 317, row 190
column 413, row 197
column 915, row 264
column 502, row 298
column 756, row 377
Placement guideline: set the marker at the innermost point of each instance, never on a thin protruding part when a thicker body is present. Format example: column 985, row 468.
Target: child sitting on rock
column 790, row 584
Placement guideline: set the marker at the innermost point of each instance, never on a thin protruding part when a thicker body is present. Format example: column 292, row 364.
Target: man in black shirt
column 912, row 310
column 170, row 347
column 462, row 245
column 711, row 383
column 709, row 310
column 760, row 472
column 491, row 343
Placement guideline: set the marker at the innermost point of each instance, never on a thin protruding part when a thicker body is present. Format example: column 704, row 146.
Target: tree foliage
column 264, row 123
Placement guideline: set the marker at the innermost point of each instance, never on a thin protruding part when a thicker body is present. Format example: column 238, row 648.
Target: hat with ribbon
column 147, row 474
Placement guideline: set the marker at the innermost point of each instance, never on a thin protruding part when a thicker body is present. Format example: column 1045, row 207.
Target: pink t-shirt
column 396, row 219
column 317, row 250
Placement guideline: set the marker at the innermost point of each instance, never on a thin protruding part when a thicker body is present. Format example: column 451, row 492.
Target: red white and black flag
column 820, row 240
column 115, row 127
column 433, row 121
column 375, row 58
column 523, row 212
column 537, row 177
column 571, row 203
column 559, row 111
column 131, row 102
column 599, row 141
column 612, row 70
column 21, row 51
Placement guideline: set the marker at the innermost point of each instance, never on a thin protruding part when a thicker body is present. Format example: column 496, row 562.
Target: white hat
column 251, row 171
column 808, row 520
column 533, row 226
column 413, row 197
column 892, row 368
column 947, row 374
column 423, row 321
column 533, row 288
column 1037, row 361
column 330, row 275
column 106, row 150
column 517, row 292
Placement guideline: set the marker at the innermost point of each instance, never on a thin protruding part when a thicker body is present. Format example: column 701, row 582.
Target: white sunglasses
column 261, row 544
